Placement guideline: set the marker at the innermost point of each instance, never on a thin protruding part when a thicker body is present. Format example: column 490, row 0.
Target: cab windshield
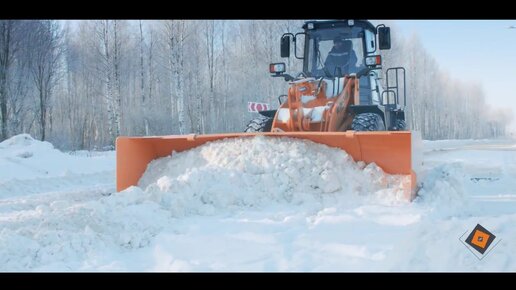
column 335, row 52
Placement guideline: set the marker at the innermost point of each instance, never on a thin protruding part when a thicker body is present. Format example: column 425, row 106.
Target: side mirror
column 384, row 37
column 285, row 46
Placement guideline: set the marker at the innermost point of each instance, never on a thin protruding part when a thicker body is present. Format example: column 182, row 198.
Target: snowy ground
column 59, row 212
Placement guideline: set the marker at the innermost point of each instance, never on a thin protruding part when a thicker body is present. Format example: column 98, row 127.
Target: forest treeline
column 80, row 84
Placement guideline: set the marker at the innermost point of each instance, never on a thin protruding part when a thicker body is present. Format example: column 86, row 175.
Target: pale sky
column 472, row 50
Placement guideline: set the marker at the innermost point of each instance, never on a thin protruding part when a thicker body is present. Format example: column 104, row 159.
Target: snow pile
column 24, row 146
column 257, row 171
column 61, row 234
column 442, row 189
column 30, row 160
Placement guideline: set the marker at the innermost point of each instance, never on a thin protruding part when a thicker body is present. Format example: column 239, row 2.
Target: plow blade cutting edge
column 395, row 152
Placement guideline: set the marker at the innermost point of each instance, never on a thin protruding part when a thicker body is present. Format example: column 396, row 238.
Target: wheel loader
column 344, row 106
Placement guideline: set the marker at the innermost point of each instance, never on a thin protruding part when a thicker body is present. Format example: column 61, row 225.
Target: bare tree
column 225, row 78
column 150, row 63
column 48, row 48
column 116, row 75
column 9, row 40
column 108, row 36
column 6, row 27
column 175, row 33
column 209, row 34
column 142, row 79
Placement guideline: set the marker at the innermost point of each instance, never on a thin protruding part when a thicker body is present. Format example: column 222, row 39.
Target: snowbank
column 27, row 158
column 258, row 171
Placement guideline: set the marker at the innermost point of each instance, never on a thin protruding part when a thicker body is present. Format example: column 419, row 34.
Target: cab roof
column 321, row 24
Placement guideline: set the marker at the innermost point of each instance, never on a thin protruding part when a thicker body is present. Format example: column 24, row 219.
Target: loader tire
column 259, row 124
column 368, row 122
column 401, row 125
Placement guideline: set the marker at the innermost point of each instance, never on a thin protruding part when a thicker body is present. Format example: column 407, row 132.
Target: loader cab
column 317, row 44
column 320, row 43
column 321, row 58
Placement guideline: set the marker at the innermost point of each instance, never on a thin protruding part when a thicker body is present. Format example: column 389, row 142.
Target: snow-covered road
column 59, row 212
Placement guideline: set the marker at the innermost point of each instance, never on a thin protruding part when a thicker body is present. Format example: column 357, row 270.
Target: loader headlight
column 373, row 60
column 277, row 68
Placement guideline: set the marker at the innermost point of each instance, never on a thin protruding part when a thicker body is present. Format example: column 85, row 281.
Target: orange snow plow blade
column 392, row 151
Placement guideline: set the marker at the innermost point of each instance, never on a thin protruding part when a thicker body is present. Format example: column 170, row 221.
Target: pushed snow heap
column 254, row 171
column 26, row 158
column 24, row 140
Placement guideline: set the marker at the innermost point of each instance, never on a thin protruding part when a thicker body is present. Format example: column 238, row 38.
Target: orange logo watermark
column 479, row 239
